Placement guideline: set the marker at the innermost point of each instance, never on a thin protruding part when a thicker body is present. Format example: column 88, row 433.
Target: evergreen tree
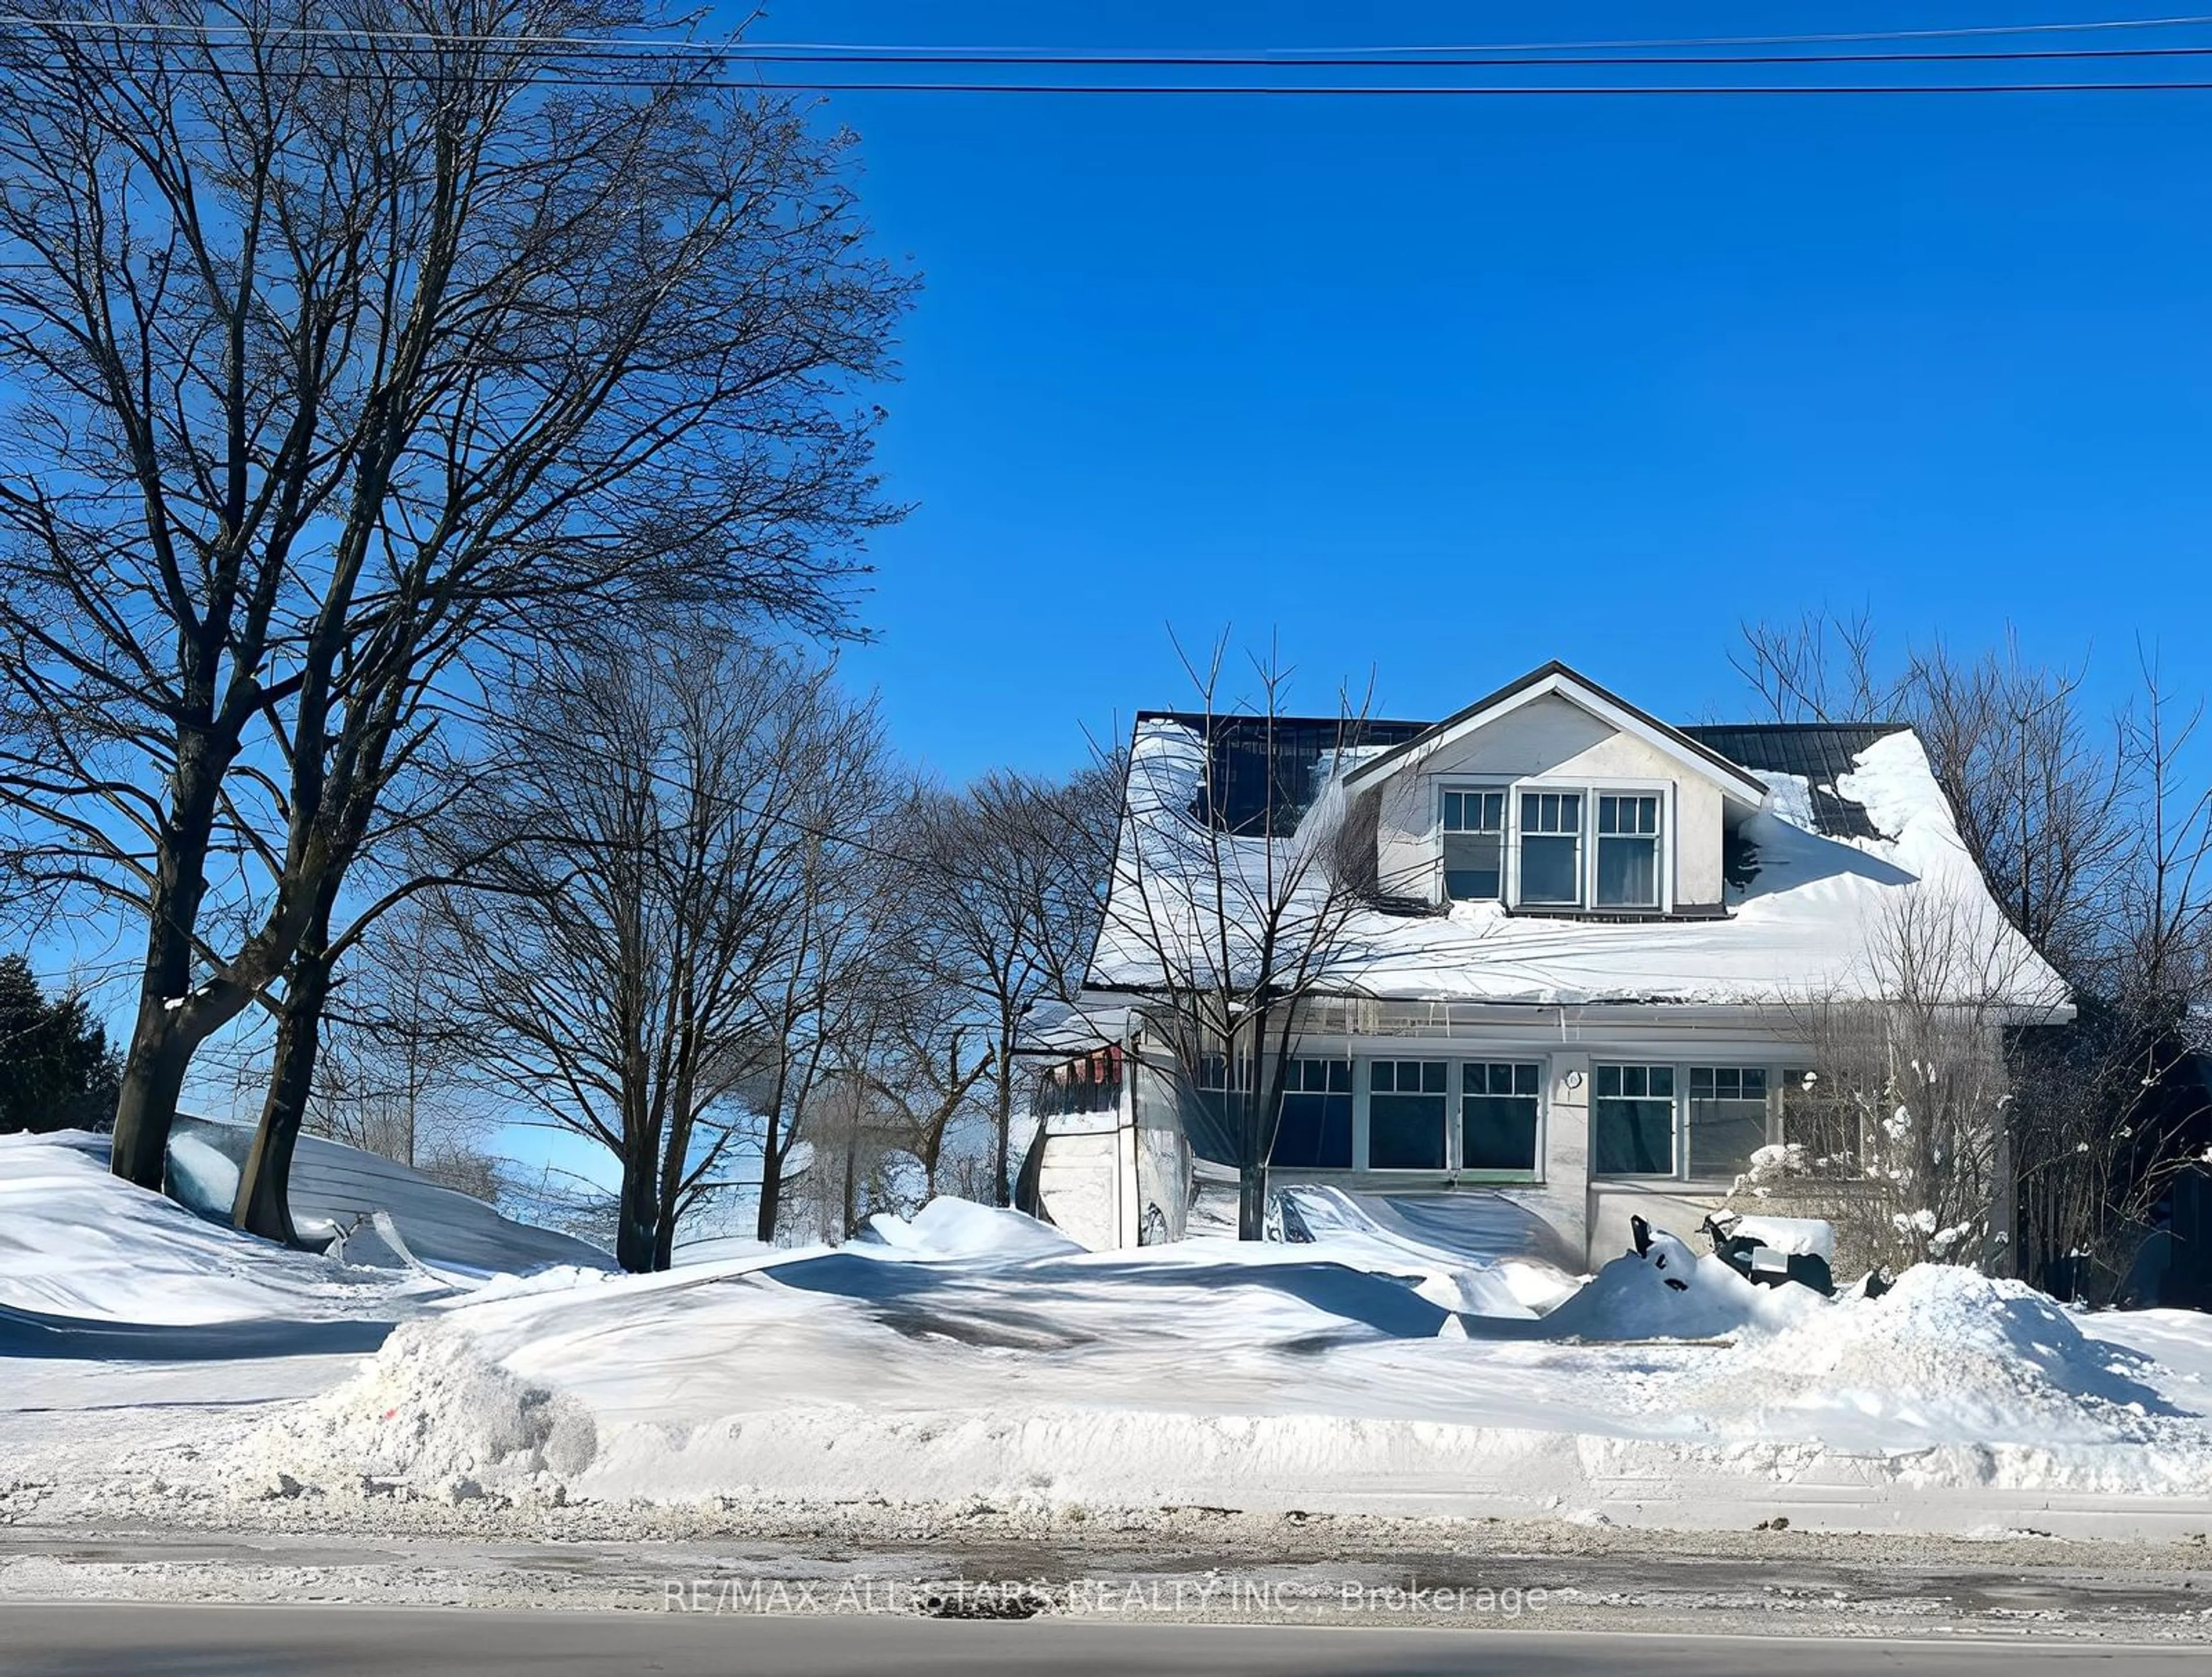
column 57, row 1069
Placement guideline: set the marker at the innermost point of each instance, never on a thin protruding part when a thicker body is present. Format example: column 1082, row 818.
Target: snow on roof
column 1055, row 1027
column 1819, row 918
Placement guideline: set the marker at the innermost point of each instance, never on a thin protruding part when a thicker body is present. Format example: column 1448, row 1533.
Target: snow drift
column 963, row 1355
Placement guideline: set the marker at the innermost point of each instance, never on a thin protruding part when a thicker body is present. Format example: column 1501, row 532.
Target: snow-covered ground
column 973, row 1357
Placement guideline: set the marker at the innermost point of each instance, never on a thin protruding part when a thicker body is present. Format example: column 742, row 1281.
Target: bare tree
column 1898, row 1123
column 356, row 344
column 1235, row 933
column 2095, row 843
column 676, row 816
column 1008, row 879
column 391, row 1077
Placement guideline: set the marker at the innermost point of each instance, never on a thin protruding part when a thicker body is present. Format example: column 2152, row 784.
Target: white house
column 1576, row 981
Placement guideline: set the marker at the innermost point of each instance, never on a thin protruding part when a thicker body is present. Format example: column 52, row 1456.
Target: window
column 1474, row 846
column 1632, row 1121
column 1314, row 1130
column 1498, row 1107
column 1628, row 851
column 1551, row 847
column 1406, row 1116
column 1727, row 1118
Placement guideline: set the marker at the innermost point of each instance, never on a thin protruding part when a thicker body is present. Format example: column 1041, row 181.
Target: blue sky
column 1445, row 389
column 1450, row 387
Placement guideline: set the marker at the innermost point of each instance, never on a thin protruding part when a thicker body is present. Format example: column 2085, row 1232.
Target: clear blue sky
column 1451, row 387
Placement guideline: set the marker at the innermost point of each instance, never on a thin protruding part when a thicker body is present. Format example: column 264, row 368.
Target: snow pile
column 372, row 1210
column 432, row 1414
column 1947, row 1352
column 951, row 1228
column 1467, row 1253
column 78, row 1244
column 1673, row 1292
column 966, row 1353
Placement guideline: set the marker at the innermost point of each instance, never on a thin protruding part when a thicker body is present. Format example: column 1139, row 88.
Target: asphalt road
column 77, row 1640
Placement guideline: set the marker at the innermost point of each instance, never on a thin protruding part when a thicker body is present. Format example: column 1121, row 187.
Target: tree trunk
column 1006, row 1113
column 771, row 1190
column 637, row 1235
column 161, row 1041
column 263, row 1206
column 1252, row 1202
column 161, row 1047
column 153, row 1079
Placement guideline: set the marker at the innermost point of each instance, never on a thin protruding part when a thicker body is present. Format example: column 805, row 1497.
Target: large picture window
column 1498, row 1115
column 1474, row 846
column 1727, row 1118
column 1552, row 848
column 1628, row 850
column 1405, row 1114
column 1314, row 1131
column 1632, row 1121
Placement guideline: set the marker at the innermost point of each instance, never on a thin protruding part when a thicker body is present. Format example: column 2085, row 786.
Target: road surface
column 80, row 1639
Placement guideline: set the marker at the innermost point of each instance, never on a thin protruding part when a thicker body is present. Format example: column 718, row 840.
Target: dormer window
column 1628, row 850
column 1537, row 846
column 1474, row 846
column 1552, row 848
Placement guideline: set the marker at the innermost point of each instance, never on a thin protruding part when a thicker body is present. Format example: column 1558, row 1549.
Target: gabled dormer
column 1553, row 796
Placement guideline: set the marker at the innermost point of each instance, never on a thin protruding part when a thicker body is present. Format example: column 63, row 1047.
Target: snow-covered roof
column 1055, row 1027
column 1819, row 917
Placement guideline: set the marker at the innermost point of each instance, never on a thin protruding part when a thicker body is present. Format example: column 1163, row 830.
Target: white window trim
column 1684, row 1169
column 1454, row 1082
column 1591, row 790
column 1505, row 838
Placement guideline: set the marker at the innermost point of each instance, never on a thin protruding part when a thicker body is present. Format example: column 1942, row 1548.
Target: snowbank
column 962, row 1356
column 1945, row 1350
column 78, row 1244
column 968, row 1353
column 951, row 1228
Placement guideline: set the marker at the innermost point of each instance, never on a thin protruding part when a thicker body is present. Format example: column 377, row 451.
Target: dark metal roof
column 1823, row 752
column 1247, row 752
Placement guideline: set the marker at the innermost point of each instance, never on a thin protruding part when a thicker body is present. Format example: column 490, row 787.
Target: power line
column 671, row 83
column 665, row 48
column 631, row 50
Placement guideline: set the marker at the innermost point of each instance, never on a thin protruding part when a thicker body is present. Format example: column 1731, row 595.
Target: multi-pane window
column 1632, row 1121
column 1474, row 846
column 1405, row 1114
column 1551, row 847
column 1727, row 1118
column 1628, row 850
column 1314, row 1130
column 1498, row 1110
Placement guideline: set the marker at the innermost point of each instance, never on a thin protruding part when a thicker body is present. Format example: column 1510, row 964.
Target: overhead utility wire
column 1275, row 54
column 628, row 51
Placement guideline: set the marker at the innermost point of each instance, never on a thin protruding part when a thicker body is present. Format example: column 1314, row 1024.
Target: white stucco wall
column 1556, row 739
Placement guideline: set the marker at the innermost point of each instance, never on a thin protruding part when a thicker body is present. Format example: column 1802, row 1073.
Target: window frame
column 1447, row 787
column 1600, row 838
column 1524, row 790
column 1676, row 1150
column 1364, row 1056
column 1586, row 837
column 1685, row 1168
